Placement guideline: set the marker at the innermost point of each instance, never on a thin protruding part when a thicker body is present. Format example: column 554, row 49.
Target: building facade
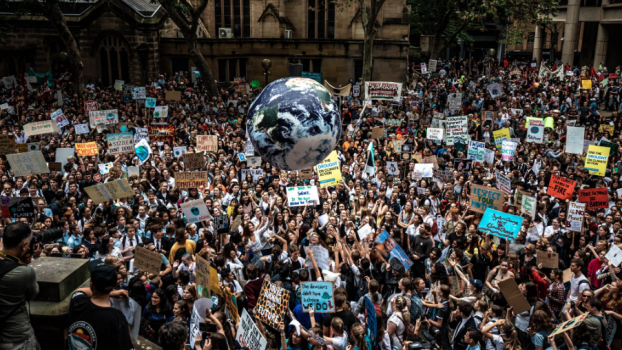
column 132, row 40
column 583, row 32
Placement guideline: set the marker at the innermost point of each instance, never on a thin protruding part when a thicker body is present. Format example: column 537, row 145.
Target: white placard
column 576, row 211
column 435, row 134
column 248, row 334
column 105, row 168
column 62, row 154
column 82, row 129
column 302, row 195
column 59, row 117
column 614, row 255
column 489, row 156
column 476, row 151
column 195, row 211
column 160, row 112
column 392, row 168
column 133, row 170
column 249, row 149
column 574, row 139
column 321, row 256
column 535, row 130
column 425, row 169
column 364, row 231
column 179, row 151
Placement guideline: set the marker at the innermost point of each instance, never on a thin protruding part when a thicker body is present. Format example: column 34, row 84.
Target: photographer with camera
column 18, row 284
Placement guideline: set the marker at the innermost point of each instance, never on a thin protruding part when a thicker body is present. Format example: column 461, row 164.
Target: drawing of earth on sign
column 294, row 123
column 534, row 129
column 110, row 117
column 195, row 211
column 123, row 128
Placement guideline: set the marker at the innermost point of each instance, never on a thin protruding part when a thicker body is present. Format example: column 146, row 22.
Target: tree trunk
column 437, row 48
column 368, row 58
column 206, row 73
column 56, row 17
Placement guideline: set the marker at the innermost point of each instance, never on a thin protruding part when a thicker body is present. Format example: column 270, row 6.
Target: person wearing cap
column 93, row 323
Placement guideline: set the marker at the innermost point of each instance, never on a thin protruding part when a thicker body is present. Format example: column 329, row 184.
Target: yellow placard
column 329, row 171
column 213, row 285
column 606, row 127
column 586, row 84
column 86, row 149
column 596, row 160
column 500, row 136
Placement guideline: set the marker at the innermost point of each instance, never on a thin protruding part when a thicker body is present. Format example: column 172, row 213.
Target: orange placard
column 87, row 149
column 560, row 187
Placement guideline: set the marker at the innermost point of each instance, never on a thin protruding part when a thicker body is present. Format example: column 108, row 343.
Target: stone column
column 537, row 44
column 602, row 39
column 570, row 31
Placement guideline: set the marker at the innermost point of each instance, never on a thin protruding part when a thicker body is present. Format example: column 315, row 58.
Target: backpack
column 179, row 253
column 434, row 228
column 585, row 282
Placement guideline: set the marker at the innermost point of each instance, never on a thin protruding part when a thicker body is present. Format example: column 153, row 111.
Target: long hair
column 613, row 297
column 103, row 247
column 401, row 304
column 164, row 307
column 440, row 273
column 540, row 321
column 581, row 334
column 358, row 333
column 532, row 292
column 510, row 336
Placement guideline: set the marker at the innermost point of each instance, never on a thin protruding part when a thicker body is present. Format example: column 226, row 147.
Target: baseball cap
column 102, row 275
column 477, row 283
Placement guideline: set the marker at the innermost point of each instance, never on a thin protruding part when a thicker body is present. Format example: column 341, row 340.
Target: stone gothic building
column 132, row 40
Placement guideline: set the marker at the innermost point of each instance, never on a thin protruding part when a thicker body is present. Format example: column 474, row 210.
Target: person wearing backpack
column 578, row 282
column 595, row 320
column 373, row 295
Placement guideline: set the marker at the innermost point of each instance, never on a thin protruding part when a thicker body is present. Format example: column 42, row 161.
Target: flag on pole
column 370, row 166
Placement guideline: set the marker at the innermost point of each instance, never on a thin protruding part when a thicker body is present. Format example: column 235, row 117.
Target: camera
column 44, row 236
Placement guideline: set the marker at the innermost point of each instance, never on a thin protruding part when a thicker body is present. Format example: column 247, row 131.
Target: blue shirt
column 475, row 347
column 65, row 238
column 74, row 241
column 539, row 339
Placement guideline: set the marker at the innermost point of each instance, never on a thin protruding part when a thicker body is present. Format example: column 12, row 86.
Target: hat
column 102, row 275
column 477, row 283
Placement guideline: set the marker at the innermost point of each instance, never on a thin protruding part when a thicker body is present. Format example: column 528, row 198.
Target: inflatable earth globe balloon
column 294, row 123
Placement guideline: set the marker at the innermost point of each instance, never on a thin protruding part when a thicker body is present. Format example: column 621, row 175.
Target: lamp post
column 266, row 64
column 491, row 54
column 470, row 56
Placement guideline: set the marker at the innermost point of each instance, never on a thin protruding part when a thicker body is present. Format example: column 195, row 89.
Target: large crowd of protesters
column 269, row 240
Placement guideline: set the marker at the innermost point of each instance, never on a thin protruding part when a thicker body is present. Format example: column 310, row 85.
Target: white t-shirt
column 339, row 343
column 575, row 289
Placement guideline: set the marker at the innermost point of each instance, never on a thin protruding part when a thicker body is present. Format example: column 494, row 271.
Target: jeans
column 28, row 344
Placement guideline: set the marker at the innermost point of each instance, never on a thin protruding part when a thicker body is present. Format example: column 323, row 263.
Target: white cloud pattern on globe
column 294, row 123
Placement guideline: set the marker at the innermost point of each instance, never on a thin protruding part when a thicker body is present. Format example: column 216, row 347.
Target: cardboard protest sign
column 567, row 275
column 25, row 147
column 548, row 260
column 213, row 285
column 456, row 127
column 500, row 136
column 329, row 170
column 190, row 179
column 120, row 143
column 248, row 334
column 208, row 143
column 105, row 117
column 508, row 148
column 233, row 309
column 535, row 130
column 454, row 285
column 160, row 112
column 59, row 117
column 476, row 151
column 500, row 224
column 90, row 106
column 317, row 295
column 150, row 102
column 193, row 160
column 173, row 96
column 483, row 198
column 528, row 205
column 7, row 144
column 513, row 295
column 272, row 304
column 164, row 133
column 575, row 216
column 382, row 90
column 377, row 133
column 109, row 191
column 596, row 161
column 305, row 174
column 22, row 164
column 55, row 166
column 40, row 128
column 195, row 211
column 596, row 198
column 561, row 187
column 570, row 324
column 503, row 182
column 302, row 195
column 146, row 260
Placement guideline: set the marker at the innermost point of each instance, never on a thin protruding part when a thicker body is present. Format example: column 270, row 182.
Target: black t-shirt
column 480, row 263
column 96, row 327
column 346, row 316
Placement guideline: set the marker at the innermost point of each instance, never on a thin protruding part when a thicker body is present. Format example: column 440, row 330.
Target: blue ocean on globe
column 294, row 123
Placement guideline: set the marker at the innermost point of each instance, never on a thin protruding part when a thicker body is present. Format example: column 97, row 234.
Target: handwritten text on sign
column 272, row 304
column 302, row 195
column 319, row 296
column 249, row 335
column 147, row 260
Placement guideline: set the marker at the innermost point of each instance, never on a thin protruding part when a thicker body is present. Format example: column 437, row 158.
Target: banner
column 535, row 130
column 504, row 183
column 456, row 127
column 40, row 128
column 120, row 143
column 576, row 212
column 381, row 90
column 106, row 117
column 508, row 148
column 109, row 191
column 483, row 198
column 160, row 112
column 195, row 211
column 329, row 171
column 317, row 295
column 561, row 187
column 476, row 151
column 528, row 205
column 435, row 134
column 190, row 179
column 23, row 164
column 59, row 117
column 500, row 136
column 248, row 335
column 596, row 198
column 596, row 161
column 164, row 133
column 302, row 195
column 272, row 304
column 501, row 224
column 574, row 139
column 87, row 149
column 208, row 143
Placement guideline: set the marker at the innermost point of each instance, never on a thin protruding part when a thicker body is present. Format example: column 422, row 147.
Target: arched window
column 114, row 60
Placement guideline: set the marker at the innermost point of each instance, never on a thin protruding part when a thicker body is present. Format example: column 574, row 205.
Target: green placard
column 255, row 83
column 312, row 75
